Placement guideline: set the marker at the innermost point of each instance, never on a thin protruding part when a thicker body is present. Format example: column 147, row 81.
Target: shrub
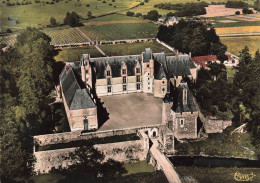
column 153, row 15
column 113, row 1
column 110, row 4
column 138, row 14
column 247, row 11
column 9, row 31
column 146, row 1
column 237, row 13
column 115, row 6
column 52, row 3
column 104, row 2
column 130, row 13
column 142, row 3
column 87, row 5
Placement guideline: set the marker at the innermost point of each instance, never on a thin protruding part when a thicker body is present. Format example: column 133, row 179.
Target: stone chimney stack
column 190, row 55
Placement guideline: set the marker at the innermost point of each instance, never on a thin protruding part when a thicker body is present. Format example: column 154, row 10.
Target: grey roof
column 75, row 96
column 190, row 106
column 172, row 65
column 147, row 54
column 115, row 63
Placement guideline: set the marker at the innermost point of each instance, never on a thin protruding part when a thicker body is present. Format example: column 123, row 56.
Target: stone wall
column 66, row 137
column 214, row 125
column 121, row 151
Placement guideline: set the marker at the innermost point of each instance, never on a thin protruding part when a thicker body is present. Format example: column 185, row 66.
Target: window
column 108, row 81
column 123, row 71
column 124, row 79
column 109, row 89
column 148, row 65
column 163, row 82
column 124, row 87
column 148, row 88
column 137, row 70
column 148, row 83
column 184, row 96
column 181, row 123
column 138, row 86
column 163, row 89
column 108, row 73
column 148, row 79
column 138, row 78
column 148, row 73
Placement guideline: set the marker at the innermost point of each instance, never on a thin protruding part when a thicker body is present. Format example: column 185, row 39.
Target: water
column 213, row 162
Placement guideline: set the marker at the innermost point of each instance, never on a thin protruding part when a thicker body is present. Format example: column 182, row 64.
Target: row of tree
column 194, row 37
column 236, row 4
column 188, row 9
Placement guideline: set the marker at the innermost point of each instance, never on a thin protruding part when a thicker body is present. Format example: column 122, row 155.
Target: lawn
column 39, row 14
column 231, row 73
column 216, row 175
column 141, row 166
column 220, row 145
column 236, row 23
column 134, row 48
column 119, row 31
column 74, row 54
column 236, row 44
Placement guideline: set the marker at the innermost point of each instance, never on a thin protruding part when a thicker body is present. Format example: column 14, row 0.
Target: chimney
column 190, row 54
column 67, row 67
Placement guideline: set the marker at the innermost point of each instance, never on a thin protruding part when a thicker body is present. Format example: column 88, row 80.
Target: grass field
column 132, row 49
column 236, row 44
column 74, row 54
column 238, row 29
column 217, row 175
column 236, row 23
column 39, row 14
column 120, row 31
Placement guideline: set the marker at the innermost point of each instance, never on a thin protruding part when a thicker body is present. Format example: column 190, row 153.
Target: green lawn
column 134, row 48
column 141, row 166
column 35, row 14
column 74, row 54
column 222, row 145
column 217, row 175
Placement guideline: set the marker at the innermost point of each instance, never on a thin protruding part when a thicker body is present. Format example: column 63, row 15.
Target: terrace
column 131, row 110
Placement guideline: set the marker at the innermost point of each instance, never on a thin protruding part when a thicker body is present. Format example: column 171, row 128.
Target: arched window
column 154, row 134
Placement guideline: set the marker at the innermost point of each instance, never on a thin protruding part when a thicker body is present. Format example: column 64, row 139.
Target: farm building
column 203, row 61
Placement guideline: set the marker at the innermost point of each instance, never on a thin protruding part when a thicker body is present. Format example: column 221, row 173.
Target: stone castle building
column 151, row 73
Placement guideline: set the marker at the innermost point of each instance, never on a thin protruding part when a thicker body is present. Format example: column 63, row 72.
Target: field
column 236, row 44
column 120, row 31
column 74, row 54
column 245, row 29
column 37, row 15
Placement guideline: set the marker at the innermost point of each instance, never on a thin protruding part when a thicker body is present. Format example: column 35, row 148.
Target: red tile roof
column 202, row 60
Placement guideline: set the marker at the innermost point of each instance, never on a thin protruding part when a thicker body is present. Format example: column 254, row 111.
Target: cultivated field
column 39, row 14
column 120, row 31
column 236, row 44
column 245, row 29
column 220, row 10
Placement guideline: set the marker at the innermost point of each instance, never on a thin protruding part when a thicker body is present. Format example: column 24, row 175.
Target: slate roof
column 115, row 63
column 172, row 65
column 75, row 96
column 190, row 106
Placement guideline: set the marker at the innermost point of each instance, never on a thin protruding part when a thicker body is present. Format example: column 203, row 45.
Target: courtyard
column 131, row 110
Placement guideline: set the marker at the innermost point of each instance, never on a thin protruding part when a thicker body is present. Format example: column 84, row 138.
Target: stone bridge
column 162, row 162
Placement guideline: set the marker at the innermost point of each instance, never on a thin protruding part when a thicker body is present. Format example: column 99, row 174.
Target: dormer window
column 108, row 73
column 123, row 71
column 184, row 96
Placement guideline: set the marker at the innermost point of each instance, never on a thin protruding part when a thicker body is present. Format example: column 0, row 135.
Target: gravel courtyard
column 131, row 110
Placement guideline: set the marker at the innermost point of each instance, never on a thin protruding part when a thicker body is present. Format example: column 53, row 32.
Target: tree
column 237, row 12
column 89, row 162
column 130, row 13
column 72, row 19
column 53, row 21
column 89, row 14
column 26, row 83
column 152, row 15
column 247, row 11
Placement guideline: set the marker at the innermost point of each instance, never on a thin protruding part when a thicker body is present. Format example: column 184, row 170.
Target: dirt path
column 114, row 22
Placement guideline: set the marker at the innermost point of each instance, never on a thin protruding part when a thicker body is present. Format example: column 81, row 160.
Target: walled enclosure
column 121, row 151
